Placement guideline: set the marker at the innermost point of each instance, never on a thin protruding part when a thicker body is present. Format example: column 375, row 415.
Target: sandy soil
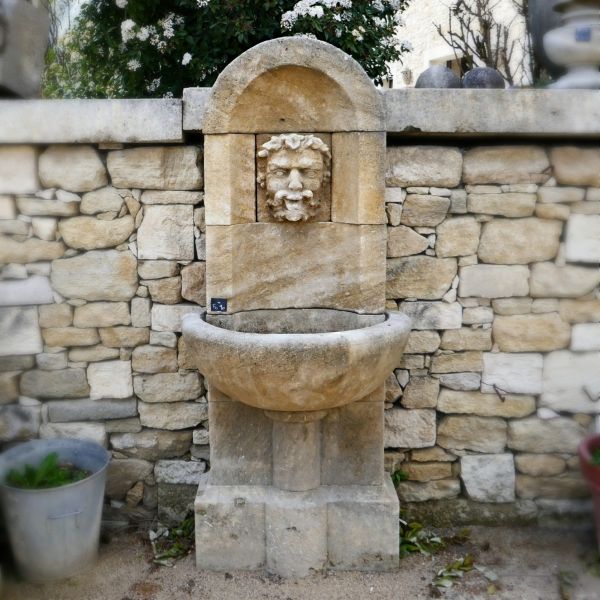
column 527, row 562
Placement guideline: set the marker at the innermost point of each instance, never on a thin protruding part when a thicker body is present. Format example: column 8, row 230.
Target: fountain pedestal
column 296, row 344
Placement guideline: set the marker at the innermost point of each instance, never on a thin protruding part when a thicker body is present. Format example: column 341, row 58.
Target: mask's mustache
column 291, row 196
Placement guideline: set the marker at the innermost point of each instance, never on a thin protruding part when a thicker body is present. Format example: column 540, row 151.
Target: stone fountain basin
column 298, row 371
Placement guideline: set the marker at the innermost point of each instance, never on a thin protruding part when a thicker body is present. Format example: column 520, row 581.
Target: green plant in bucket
column 50, row 473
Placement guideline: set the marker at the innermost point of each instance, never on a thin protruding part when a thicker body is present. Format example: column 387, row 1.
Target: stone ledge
column 90, row 121
column 493, row 112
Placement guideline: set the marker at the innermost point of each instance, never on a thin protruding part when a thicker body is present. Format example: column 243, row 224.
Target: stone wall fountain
column 296, row 344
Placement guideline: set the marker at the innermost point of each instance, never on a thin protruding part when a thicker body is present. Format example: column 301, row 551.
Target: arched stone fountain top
column 293, row 84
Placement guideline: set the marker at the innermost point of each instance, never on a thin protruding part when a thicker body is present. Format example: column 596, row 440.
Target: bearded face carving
column 292, row 170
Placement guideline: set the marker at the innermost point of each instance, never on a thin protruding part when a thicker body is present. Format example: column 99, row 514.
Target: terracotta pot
column 592, row 474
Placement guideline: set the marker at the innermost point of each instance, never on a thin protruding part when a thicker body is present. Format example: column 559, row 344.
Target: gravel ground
column 528, row 563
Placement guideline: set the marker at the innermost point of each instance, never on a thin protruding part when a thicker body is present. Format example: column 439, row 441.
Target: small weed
column 50, row 473
column 398, row 476
column 172, row 544
column 415, row 538
column 453, row 571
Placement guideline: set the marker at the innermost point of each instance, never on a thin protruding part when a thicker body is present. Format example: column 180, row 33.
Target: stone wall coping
column 424, row 112
column 80, row 121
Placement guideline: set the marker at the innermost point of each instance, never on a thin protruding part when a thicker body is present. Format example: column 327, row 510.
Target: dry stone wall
column 493, row 250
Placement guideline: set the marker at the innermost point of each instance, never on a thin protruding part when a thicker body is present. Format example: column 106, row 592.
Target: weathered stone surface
column 73, row 168
column 512, row 373
column 409, row 428
column 93, row 354
column 576, row 166
column 163, row 416
column 505, row 164
column 130, row 425
column 568, row 485
column 467, row 339
column 493, row 281
column 19, row 422
column 18, row 169
column 19, row 292
column 107, row 199
column 404, row 241
column 531, row 333
column 551, row 281
column 154, row 359
column 520, row 241
column 193, row 283
column 95, row 432
column 432, row 454
column 423, row 166
column 9, row 387
column 420, row 342
column 168, row 387
column 164, row 291
column 586, row 337
column 166, row 197
column 457, row 237
column 583, row 239
column 421, row 277
column 168, row 317
column 29, row 251
column 157, row 269
column 179, row 471
column 393, row 212
column 421, row 392
column 35, row 207
column 124, row 337
column 433, row 315
column 70, row 336
column 55, row 315
column 505, row 205
column 167, row 231
column 393, row 391
column 102, row 314
column 461, row 381
column 477, row 315
column 410, row 491
column 70, row 383
column 552, row 211
column 540, row 465
column 140, row 312
column 157, row 168
column 110, row 379
column 551, row 195
column 88, row 233
column 580, row 311
column 479, row 434
column 572, row 381
column 51, row 362
column 185, row 356
column 512, row 306
column 96, row 275
column 485, row 405
column 16, row 363
column 540, row 436
column 89, row 409
column 44, row 228
column 280, row 265
column 357, row 181
column 420, row 471
column 457, row 362
column 420, row 210
column 152, row 444
column 124, row 473
column 489, row 478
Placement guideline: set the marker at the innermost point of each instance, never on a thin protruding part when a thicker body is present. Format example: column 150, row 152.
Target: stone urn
column 576, row 44
column 23, row 41
column 591, row 472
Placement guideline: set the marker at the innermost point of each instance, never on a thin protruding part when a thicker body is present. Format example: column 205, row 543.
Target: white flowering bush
column 155, row 48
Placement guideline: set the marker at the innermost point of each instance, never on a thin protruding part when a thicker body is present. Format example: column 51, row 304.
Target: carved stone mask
column 292, row 172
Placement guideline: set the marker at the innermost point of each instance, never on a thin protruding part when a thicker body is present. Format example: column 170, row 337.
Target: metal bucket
column 54, row 533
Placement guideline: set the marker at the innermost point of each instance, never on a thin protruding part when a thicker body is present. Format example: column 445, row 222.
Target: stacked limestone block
column 494, row 252
column 101, row 252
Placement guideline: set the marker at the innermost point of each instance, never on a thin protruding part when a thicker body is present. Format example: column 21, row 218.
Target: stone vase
column 592, row 474
column 576, row 44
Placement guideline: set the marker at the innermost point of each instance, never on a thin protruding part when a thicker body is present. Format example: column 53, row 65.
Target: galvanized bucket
column 54, row 533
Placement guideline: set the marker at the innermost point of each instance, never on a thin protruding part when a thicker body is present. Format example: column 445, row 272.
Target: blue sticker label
column 218, row 304
column 583, row 34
